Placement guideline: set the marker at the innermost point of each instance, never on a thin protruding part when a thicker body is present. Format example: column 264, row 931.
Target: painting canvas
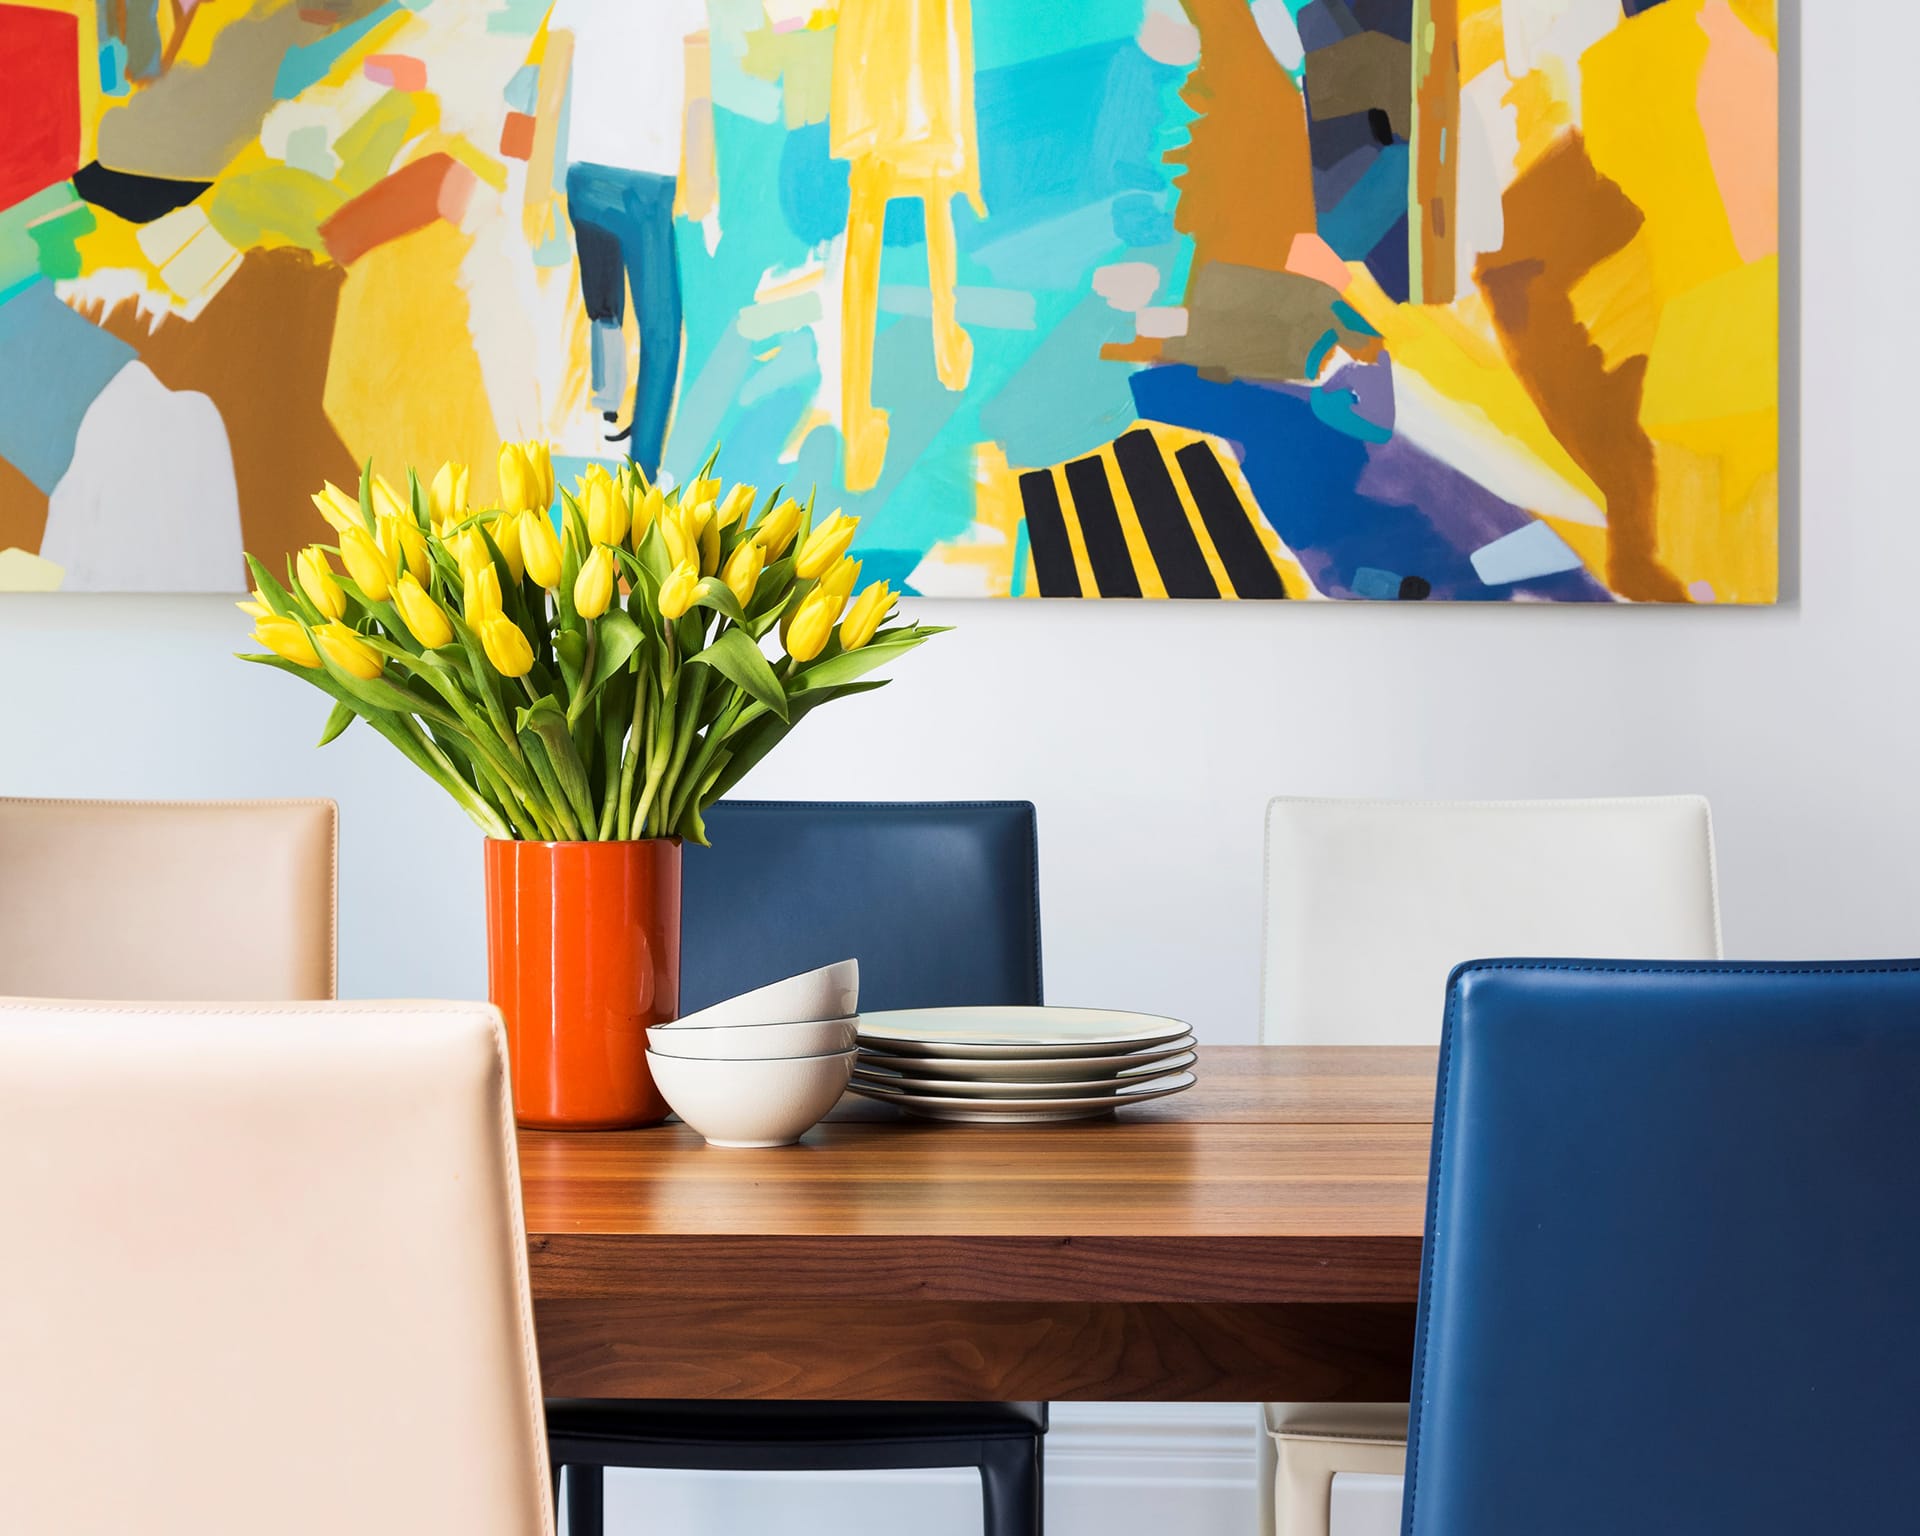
column 1362, row 299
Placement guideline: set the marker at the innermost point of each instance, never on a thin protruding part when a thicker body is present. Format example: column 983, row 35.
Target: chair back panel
column 939, row 902
column 266, row 1271
column 178, row 900
column 1370, row 903
column 1671, row 1252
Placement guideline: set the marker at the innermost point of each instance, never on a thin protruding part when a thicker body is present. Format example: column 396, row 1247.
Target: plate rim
column 1180, row 1061
column 1167, row 1029
column 1029, row 1106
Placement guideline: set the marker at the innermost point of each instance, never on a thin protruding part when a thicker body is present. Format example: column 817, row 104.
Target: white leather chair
column 1369, row 905
column 181, row 899
column 266, row 1271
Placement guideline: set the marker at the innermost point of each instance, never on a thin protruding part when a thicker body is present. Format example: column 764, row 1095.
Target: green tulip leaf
column 844, row 666
column 755, row 741
column 715, row 594
column 339, row 718
column 741, row 662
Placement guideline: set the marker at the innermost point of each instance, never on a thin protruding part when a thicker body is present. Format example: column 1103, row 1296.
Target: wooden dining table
column 1255, row 1238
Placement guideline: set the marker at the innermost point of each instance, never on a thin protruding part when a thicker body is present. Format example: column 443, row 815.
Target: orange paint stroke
column 433, row 187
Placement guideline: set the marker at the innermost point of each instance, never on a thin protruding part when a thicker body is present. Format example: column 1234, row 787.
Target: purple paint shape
column 1371, row 385
column 1463, row 512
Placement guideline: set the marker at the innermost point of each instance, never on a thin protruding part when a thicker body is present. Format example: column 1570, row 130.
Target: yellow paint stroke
column 1717, row 351
column 1482, row 37
column 1719, row 523
column 403, row 301
column 1616, row 302
column 1642, row 120
column 987, row 548
column 697, row 193
column 1763, row 16
column 542, row 208
column 489, row 168
column 902, row 116
column 1139, row 552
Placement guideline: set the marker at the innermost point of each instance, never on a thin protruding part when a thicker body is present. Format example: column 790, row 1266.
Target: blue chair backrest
column 940, row 903
column 1672, row 1269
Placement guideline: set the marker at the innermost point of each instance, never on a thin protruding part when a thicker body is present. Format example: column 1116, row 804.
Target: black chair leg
column 586, row 1501
column 1013, row 1487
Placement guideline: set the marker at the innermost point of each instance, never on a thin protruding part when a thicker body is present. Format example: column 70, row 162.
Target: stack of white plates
column 1020, row 1065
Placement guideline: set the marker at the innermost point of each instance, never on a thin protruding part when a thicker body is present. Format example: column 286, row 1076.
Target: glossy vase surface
column 583, row 954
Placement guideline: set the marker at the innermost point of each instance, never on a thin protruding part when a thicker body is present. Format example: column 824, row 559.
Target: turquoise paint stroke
column 1017, row 587
column 310, row 63
column 998, row 309
column 1339, row 408
column 774, row 317
column 796, row 363
column 1360, row 220
column 1014, row 31
column 1327, row 342
column 1352, row 319
column 518, row 18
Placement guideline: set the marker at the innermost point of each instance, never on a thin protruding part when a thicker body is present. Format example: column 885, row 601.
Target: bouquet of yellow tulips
column 599, row 675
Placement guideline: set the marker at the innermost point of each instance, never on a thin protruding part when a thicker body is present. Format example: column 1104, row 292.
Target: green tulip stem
column 636, row 736
column 689, row 721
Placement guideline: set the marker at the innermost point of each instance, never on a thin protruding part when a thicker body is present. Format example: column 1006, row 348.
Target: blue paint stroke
column 57, row 364
column 309, row 63
column 1358, row 222
column 1527, row 552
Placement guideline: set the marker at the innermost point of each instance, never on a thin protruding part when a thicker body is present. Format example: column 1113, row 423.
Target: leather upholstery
column 1371, row 903
column 180, row 900
column 266, row 1272
column 940, row 903
column 1303, row 1446
column 1671, row 1257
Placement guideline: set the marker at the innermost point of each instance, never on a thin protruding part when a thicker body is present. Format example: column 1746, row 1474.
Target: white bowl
column 831, row 992
column 766, row 1103
column 756, row 1042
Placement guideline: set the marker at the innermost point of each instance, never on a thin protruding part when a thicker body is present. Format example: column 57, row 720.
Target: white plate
column 1022, row 1111
column 1017, row 1069
column 831, row 992
column 989, row 1033
column 988, row 1088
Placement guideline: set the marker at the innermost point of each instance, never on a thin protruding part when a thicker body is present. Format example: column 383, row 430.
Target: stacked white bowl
column 760, row 1069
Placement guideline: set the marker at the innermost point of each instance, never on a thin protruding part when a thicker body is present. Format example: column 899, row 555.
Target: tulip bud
column 506, row 536
column 447, row 496
column 287, row 640
column 539, row 547
column 676, row 592
column 316, row 580
column 471, row 551
column 367, row 563
column 348, row 651
column 813, row 622
column 506, row 647
column 736, row 504
column 405, row 545
column 865, row 616
column 646, row 511
column 710, row 544
column 593, row 587
column 824, row 545
column 744, row 566
column 682, row 543
column 256, row 607
column 339, row 509
column 606, row 509
column 480, row 597
column 517, row 488
column 423, row 616
column 777, row 528
column 387, row 502
column 540, row 466
column 843, row 577
column 704, row 490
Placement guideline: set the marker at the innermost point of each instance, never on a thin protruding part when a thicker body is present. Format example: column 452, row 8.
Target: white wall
column 1151, row 736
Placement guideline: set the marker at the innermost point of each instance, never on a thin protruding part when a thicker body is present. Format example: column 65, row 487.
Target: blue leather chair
column 941, row 905
column 1672, row 1268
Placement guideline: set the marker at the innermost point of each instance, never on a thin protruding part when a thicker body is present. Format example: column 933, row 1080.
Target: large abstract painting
column 1397, row 299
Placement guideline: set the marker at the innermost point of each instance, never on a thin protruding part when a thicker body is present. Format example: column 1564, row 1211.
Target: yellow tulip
column 423, row 616
column 843, row 577
column 646, row 511
column 710, row 544
column 683, row 544
column 744, row 566
column 405, row 545
column 777, row 528
column 480, row 597
column 287, row 640
column 540, row 464
column 348, row 651
column 367, row 563
column 447, row 496
column 518, row 488
column 606, row 508
column 593, row 587
column 339, row 509
column 387, row 502
column 704, row 490
column 256, row 607
column 676, row 592
column 824, row 545
column 864, row 617
column 471, row 551
column 506, row 534
column 316, row 580
column 539, row 547
column 736, row 504
column 506, row 647
column 813, row 622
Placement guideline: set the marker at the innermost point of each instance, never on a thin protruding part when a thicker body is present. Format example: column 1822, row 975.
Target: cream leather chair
column 206, row 900
column 1369, row 906
column 266, row 1272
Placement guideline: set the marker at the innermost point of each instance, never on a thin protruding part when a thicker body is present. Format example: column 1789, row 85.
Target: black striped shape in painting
column 1100, row 529
column 1176, row 552
column 1053, row 565
column 1229, row 525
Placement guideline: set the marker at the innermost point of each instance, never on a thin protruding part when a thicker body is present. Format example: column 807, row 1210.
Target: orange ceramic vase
column 583, row 954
